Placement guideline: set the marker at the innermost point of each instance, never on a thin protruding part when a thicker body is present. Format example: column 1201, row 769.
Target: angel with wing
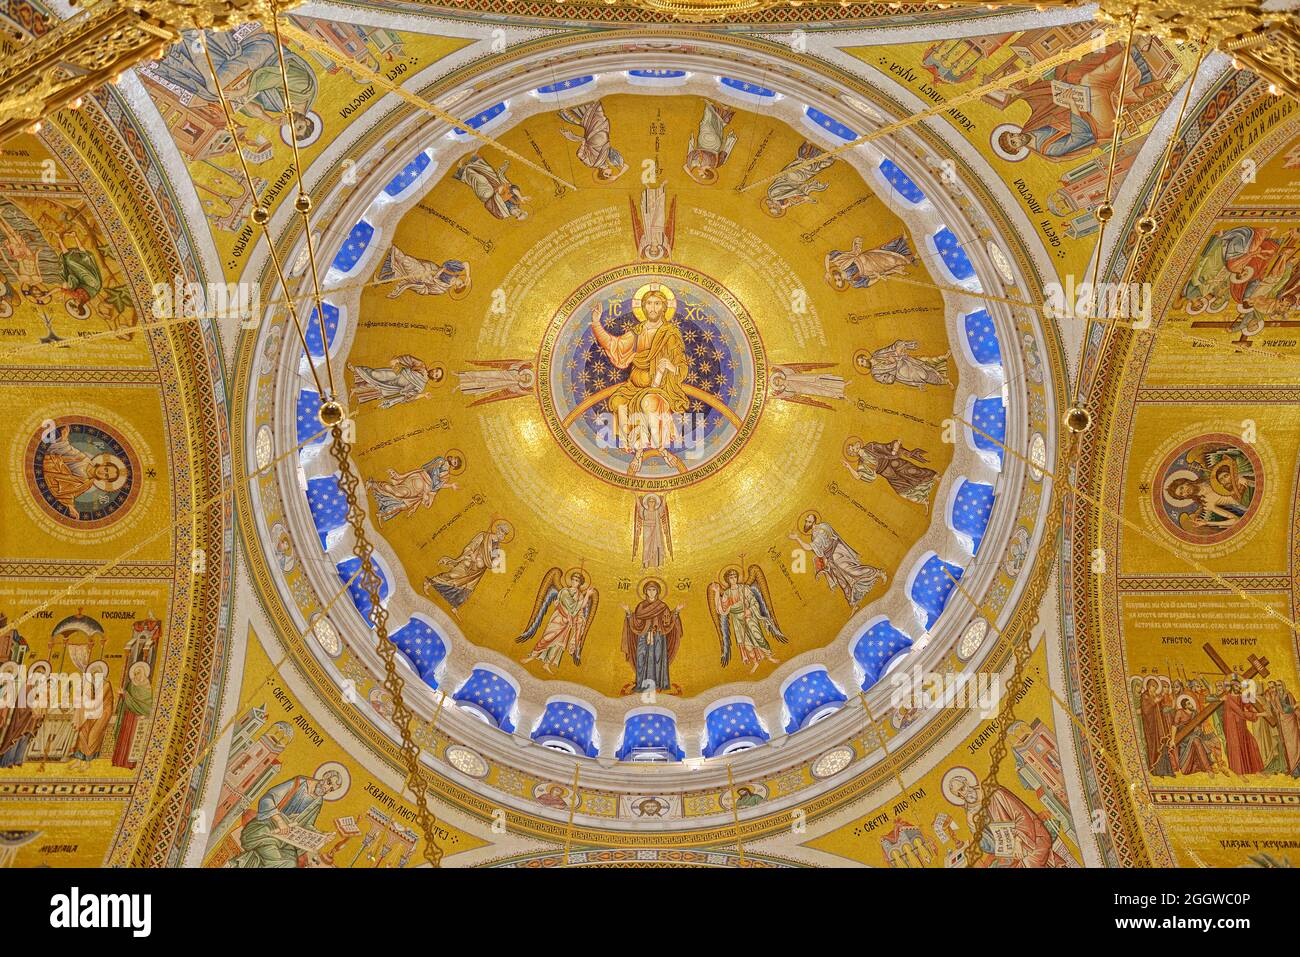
column 803, row 382
column 654, row 224
column 497, row 380
column 743, row 610
column 571, row 607
column 651, row 532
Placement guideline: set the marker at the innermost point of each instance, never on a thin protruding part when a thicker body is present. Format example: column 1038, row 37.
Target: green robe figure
column 296, row 801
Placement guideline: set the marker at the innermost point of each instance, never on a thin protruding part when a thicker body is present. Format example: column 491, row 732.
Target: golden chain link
column 394, row 683
column 1015, row 687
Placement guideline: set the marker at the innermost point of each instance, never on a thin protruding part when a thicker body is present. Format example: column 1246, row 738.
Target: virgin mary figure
column 651, row 634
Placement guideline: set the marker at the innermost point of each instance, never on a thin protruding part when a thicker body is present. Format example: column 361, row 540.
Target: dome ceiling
column 535, row 335
column 701, row 400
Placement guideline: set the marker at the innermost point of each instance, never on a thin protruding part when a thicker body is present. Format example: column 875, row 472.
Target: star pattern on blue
column 308, row 417
column 570, row 721
column 876, row 647
column 353, row 247
column 733, row 721
column 753, row 89
column 650, row 731
column 971, row 508
column 901, row 182
column 312, row 332
column 563, row 85
column 808, row 694
column 989, row 416
column 491, row 692
column 329, row 509
column 932, row 587
column 710, row 354
column 409, row 174
column 477, row 121
column 983, row 338
column 830, row 124
column 423, row 646
column 356, row 591
column 953, row 256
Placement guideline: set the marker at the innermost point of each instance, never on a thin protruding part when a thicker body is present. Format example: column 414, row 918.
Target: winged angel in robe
column 654, row 224
column 497, row 380
column 743, row 611
column 571, row 607
column 651, row 531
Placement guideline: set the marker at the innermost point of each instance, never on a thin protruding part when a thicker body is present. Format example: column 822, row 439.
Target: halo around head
column 345, row 779
column 657, row 287
column 995, row 141
column 645, row 583
column 950, row 779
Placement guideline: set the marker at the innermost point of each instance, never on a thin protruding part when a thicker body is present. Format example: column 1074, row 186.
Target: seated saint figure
column 654, row 354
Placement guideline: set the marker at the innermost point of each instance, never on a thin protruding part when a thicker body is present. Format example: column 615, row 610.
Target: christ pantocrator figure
column 646, row 402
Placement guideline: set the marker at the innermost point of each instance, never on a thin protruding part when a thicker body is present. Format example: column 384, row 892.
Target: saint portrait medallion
column 652, row 376
column 1208, row 488
column 82, row 472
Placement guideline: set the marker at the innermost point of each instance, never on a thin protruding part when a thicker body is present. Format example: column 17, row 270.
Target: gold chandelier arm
column 39, row 77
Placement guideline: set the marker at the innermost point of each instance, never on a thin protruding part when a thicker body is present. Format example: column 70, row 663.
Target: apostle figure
column 93, row 714
column 133, row 715
column 464, row 573
column 834, row 559
column 651, row 633
column 895, row 363
column 594, row 146
column 24, row 717
column 572, row 608
column 248, row 73
column 711, row 144
column 654, row 354
column 403, row 380
column 1073, row 107
column 499, row 196
column 1013, row 835
column 424, row 277
column 867, row 460
column 861, row 268
column 797, row 181
column 1239, row 743
column 407, row 491
column 297, row 801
